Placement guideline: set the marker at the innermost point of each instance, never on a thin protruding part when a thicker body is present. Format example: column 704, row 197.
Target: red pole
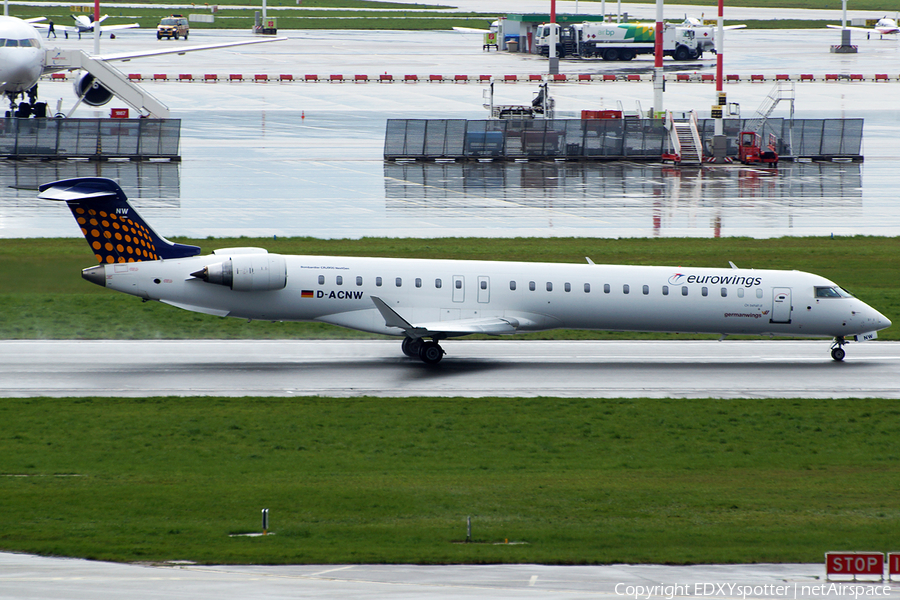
column 657, row 44
column 552, row 10
column 720, row 51
column 96, row 10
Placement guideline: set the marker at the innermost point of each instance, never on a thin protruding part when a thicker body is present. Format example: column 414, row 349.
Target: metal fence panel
column 90, row 138
column 603, row 139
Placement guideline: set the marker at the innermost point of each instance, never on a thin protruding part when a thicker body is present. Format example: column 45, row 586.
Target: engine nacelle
column 94, row 92
column 247, row 272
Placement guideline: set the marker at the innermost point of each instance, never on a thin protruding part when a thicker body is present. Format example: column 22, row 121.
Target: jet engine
column 247, row 272
column 94, row 92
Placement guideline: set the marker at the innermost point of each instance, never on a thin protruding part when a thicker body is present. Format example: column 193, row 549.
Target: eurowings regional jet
column 426, row 301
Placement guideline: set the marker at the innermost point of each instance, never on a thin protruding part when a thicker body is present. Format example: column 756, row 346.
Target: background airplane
column 84, row 24
column 426, row 301
column 884, row 26
column 23, row 59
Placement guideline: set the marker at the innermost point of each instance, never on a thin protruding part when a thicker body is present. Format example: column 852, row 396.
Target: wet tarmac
column 296, row 159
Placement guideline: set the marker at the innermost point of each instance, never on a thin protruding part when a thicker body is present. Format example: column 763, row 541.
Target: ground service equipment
column 624, row 41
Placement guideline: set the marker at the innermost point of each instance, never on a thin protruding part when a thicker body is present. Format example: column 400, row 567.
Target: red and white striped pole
column 659, row 78
column 720, row 57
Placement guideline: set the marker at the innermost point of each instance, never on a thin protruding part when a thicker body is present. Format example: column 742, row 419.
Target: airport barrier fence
column 97, row 139
column 603, row 139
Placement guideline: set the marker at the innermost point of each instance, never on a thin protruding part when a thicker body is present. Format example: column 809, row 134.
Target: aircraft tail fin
column 112, row 227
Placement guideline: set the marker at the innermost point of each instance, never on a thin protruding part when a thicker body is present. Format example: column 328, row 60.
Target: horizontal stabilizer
column 112, row 227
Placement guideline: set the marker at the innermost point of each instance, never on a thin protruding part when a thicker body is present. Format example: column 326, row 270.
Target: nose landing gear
column 837, row 349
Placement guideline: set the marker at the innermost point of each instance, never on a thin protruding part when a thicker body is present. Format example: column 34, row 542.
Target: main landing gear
column 837, row 349
column 429, row 353
column 23, row 110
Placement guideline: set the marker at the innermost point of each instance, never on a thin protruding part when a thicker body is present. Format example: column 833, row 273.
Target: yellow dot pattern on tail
column 115, row 238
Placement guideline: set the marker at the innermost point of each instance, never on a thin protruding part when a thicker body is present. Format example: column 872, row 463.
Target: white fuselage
column 536, row 296
column 21, row 55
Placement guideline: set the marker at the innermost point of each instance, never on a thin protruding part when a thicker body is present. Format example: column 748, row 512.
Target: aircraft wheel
column 431, row 353
column 838, row 354
column 411, row 347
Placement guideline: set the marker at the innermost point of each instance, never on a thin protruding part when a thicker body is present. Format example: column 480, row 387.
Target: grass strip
column 42, row 294
column 373, row 480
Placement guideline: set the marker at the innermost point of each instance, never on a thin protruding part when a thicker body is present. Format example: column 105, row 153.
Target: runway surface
column 26, row 577
column 592, row 369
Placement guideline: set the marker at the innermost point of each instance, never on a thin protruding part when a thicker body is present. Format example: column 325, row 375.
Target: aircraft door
column 459, row 288
column 781, row 305
column 484, row 289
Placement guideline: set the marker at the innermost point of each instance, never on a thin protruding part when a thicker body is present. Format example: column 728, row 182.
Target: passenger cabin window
column 740, row 292
column 646, row 289
column 724, row 292
column 587, row 288
column 759, row 293
column 321, row 280
column 378, row 281
column 665, row 290
column 549, row 287
column 398, row 282
column 568, row 287
column 339, row 280
column 625, row 289
column 418, row 282
column 704, row 291
column 358, row 280
column 684, row 290
column 512, row 285
column 438, row 283
column 458, row 283
column 483, row 285
column 605, row 288
column 531, row 286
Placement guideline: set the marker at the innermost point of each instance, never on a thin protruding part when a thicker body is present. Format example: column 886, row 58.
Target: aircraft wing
column 488, row 325
column 867, row 29
column 470, row 30
column 729, row 27
column 117, row 27
column 183, row 49
column 35, row 20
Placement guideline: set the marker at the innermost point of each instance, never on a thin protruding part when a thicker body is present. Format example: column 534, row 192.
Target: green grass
column 393, row 480
column 42, row 294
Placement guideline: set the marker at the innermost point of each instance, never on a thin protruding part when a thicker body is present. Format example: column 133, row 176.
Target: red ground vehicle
column 750, row 151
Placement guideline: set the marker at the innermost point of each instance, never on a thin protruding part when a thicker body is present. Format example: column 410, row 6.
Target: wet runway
column 298, row 159
column 595, row 369
column 26, row 577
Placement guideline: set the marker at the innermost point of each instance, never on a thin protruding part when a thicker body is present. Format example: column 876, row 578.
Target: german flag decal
column 307, row 294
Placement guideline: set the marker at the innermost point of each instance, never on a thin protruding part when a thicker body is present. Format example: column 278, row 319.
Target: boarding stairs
column 110, row 77
column 684, row 137
column 782, row 91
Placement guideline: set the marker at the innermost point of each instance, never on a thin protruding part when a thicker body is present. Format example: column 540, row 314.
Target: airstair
column 684, row 136
column 111, row 78
column 782, row 91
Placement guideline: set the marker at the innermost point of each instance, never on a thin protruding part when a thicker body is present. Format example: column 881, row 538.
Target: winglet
column 112, row 227
column 391, row 318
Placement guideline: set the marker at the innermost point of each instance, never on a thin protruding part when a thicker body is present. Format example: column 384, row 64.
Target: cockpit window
column 832, row 292
column 16, row 43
